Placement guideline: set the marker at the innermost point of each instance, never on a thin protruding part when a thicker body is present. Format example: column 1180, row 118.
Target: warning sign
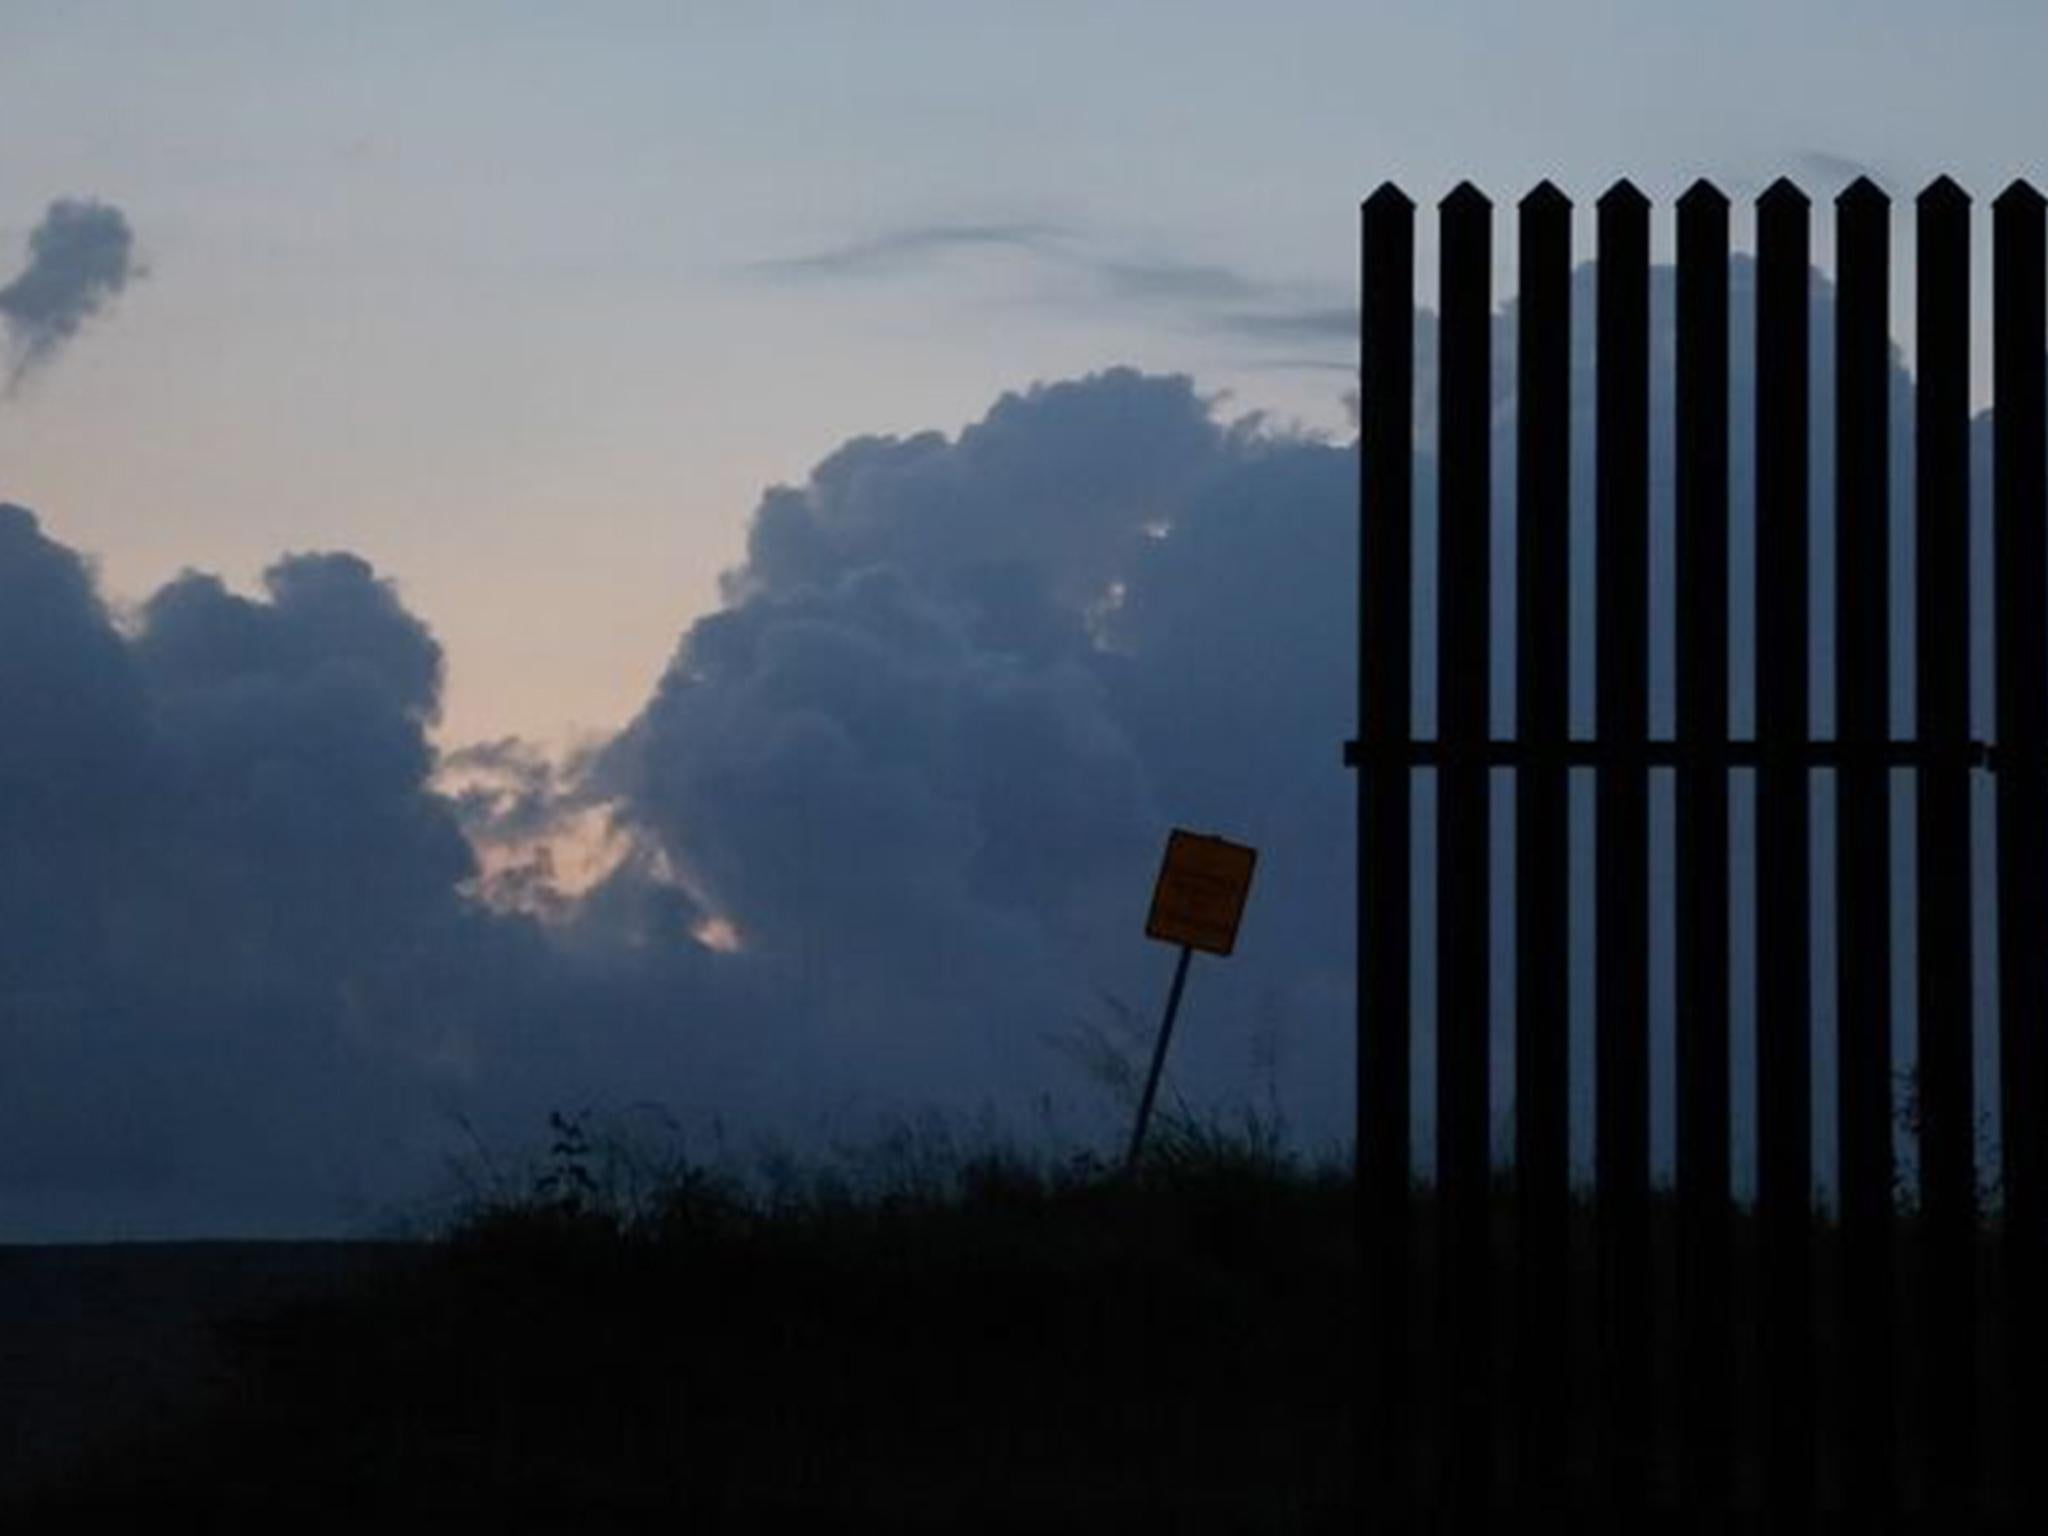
column 1201, row 892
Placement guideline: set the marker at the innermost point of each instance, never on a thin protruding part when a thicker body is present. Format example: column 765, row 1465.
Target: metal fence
column 1530, row 1341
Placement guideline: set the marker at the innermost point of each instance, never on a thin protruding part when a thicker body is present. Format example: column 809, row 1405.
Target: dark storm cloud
column 888, row 821
column 244, row 986
column 80, row 257
column 926, row 756
column 217, row 869
column 241, row 985
column 918, row 768
column 245, row 976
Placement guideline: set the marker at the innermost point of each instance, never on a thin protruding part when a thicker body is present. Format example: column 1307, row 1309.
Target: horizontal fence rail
column 1636, row 1341
column 1818, row 752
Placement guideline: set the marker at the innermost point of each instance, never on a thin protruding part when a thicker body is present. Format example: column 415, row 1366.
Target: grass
column 937, row 1329
column 934, row 1333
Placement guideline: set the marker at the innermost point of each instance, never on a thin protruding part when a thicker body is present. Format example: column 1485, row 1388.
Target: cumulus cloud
column 925, row 756
column 887, row 824
column 80, row 257
column 216, row 868
column 882, row 834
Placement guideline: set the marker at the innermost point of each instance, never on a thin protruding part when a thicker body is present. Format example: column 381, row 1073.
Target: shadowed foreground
column 1020, row 1348
column 970, row 1341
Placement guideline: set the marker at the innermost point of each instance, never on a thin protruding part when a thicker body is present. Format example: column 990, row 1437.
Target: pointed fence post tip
column 1624, row 194
column 1944, row 190
column 2020, row 193
column 1465, row 198
column 1783, row 193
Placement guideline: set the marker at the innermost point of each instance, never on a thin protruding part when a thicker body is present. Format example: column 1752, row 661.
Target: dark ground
column 1001, row 1349
column 106, row 1344
column 1025, row 1353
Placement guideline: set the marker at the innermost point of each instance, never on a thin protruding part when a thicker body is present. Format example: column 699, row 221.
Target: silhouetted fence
column 1758, row 1354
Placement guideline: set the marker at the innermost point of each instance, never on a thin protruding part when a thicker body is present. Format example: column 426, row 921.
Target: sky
column 692, row 552
column 487, row 292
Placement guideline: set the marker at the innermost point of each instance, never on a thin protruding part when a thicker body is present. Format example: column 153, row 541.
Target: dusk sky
column 490, row 294
column 560, row 555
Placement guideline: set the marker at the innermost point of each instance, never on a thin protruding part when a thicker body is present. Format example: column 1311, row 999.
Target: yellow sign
column 1201, row 892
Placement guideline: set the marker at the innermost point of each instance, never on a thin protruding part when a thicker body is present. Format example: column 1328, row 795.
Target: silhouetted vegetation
column 931, row 1333
column 941, row 1336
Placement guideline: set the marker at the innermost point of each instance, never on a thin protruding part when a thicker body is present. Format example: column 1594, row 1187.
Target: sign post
column 1196, row 904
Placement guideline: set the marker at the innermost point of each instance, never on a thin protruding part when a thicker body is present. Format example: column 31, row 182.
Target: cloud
column 509, row 789
column 1333, row 323
column 925, row 757
column 1176, row 281
column 218, row 872
column 244, row 986
column 1827, row 166
column 81, row 256
column 918, row 247
column 887, row 824
column 906, row 249
column 1205, row 295
column 883, row 831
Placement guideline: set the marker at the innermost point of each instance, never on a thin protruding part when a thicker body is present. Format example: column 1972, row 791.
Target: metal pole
column 1180, row 978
